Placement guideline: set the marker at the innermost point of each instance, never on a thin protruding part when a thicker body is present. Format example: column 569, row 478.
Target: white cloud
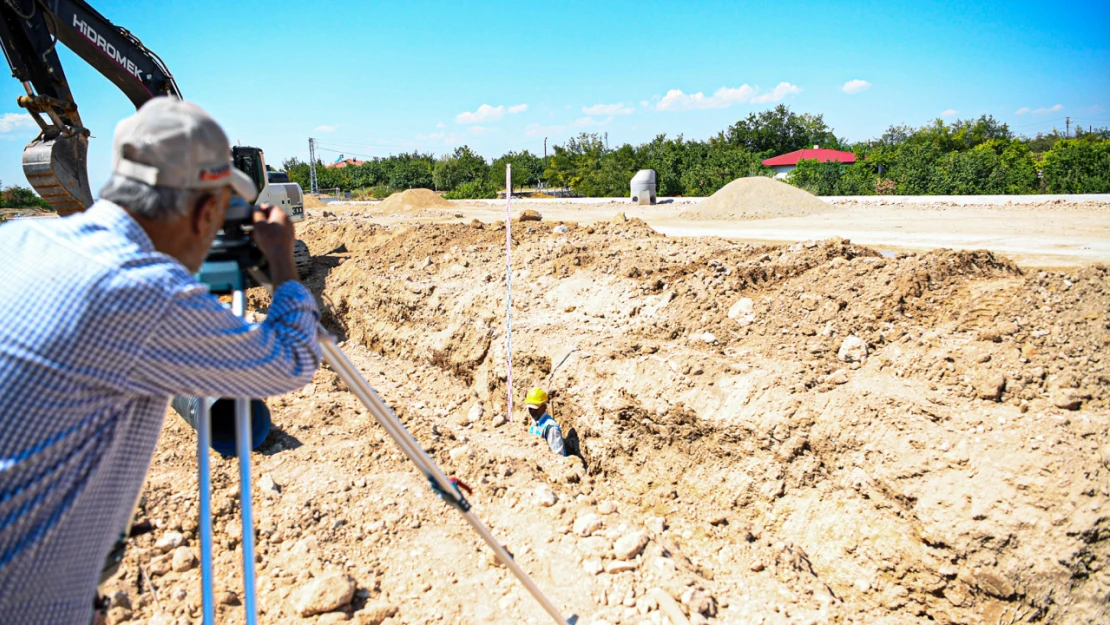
column 325, row 128
column 856, row 86
column 949, row 113
column 1041, row 111
column 676, row 100
column 480, row 130
column 780, row 91
column 441, row 125
column 607, row 109
column 485, row 113
column 15, row 121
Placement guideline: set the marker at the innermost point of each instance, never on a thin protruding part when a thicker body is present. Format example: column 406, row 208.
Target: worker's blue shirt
column 550, row 431
column 97, row 331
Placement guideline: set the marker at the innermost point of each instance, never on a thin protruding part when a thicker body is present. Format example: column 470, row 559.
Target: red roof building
column 344, row 163
column 785, row 163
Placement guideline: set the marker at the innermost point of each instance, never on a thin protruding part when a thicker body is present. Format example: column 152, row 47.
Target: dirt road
column 1032, row 234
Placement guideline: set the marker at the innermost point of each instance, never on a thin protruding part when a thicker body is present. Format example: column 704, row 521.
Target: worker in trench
column 542, row 423
column 102, row 320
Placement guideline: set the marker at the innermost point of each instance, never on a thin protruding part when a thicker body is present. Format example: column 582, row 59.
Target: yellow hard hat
column 536, row 397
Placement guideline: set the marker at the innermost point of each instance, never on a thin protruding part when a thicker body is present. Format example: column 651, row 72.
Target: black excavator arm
column 56, row 161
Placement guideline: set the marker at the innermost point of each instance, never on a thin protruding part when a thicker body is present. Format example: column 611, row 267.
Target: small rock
column 630, row 545
column 561, row 229
column 708, row 337
column 617, row 566
column 656, row 524
column 332, row 617
column 717, row 518
column 475, row 413
column 838, row 377
column 183, row 559
column 375, row 613
column 698, row 619
column 1067, row 399
column 592, row 566
column 606, row 507
column 743, row 306
column 757, row 566
column 120, row 599
column 989, row 385
column 853, row 349
column 459, row 451
column 169, row 541
column 162, row 618
column 477, row 225
column 229, row 598
column 325, row 593
column 530, row 215
column 619, row 218
column 587, row 524
column 544, row 496
column 499, row 420
column 268, row 486
column 160, row 565
column 994, row 585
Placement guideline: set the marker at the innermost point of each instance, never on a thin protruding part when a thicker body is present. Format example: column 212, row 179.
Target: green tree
column 1077, row 166
column 461, row 167
column 527, row 169
column 779, row 130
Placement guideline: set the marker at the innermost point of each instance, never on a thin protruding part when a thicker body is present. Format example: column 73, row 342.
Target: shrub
column 473, row 190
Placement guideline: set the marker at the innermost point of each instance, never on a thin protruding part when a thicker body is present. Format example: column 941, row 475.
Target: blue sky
column 373, row 78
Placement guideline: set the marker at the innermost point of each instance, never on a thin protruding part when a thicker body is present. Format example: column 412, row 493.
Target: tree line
column 964, row 157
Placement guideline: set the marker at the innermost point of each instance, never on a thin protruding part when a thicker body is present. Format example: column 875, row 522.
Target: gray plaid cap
column 176, row 144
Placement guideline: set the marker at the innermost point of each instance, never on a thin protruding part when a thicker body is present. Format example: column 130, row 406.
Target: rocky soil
column 806, row 433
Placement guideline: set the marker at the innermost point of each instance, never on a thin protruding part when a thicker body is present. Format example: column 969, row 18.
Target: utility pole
column 1067, row 126
column 313, row 185
column 606, row 140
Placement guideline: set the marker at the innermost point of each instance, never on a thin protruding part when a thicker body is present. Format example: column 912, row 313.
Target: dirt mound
column 412, row 200
column 812, row 431
column 757, row 197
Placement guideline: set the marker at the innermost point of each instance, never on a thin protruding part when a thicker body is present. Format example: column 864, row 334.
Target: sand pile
column 413, row 200
column 757, row 197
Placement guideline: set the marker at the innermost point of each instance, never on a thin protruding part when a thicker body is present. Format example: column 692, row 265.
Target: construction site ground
column 874, row 414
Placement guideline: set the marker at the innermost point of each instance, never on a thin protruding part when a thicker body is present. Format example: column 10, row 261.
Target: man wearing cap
column 101, row 321
column 543, row 425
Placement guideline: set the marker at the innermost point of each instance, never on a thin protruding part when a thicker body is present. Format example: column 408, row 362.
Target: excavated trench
column 916, row 438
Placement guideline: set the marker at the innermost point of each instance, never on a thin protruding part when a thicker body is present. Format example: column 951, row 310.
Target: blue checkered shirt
column 97, row 331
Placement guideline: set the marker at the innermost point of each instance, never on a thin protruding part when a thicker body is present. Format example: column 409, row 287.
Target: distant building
column 786, row 163
column 344, row 162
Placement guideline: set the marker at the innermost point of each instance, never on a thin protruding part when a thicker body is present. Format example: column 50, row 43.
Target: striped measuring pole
column 509, row 281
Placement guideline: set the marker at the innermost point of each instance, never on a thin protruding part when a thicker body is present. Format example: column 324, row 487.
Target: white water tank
column 643, row 187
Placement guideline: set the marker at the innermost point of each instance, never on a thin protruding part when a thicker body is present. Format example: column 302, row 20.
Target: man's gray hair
column 154, row 203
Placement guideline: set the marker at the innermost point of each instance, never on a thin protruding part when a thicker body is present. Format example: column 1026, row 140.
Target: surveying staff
column 101, row 321
column 542, row 424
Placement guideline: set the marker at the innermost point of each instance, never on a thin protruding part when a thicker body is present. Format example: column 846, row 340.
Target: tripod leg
column 204, row 442
column 243, row 444
column 393, row 426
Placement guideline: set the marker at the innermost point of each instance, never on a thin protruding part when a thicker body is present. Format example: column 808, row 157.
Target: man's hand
column 274, row 235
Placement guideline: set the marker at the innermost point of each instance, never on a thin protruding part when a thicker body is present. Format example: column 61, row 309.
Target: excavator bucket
column 57, row 169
